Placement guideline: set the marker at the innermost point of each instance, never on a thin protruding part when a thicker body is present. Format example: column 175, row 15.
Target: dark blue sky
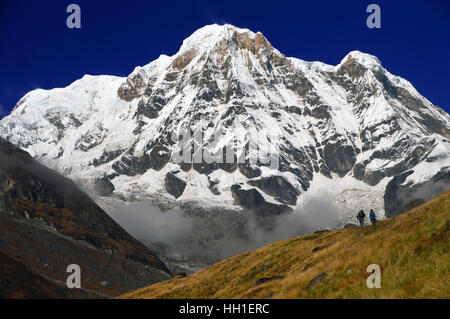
column 37, row 50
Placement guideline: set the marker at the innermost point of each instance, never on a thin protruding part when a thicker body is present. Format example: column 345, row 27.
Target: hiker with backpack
column 361, row 217
column 373, row 217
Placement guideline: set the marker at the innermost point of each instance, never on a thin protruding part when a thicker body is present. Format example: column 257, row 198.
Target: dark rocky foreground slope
column 47, row 223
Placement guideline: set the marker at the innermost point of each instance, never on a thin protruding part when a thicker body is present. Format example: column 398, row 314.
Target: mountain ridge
column 295, row 130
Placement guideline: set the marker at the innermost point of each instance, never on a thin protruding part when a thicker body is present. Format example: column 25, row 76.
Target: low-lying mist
column 149, row 224
column 190, row 236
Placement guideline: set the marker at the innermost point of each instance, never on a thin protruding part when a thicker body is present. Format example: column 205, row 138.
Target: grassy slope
column 412, row 249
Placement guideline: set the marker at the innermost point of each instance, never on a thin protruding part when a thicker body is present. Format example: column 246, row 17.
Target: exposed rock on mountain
column 253, row 200
column 174, row 185
column 402, row 195
column 278, row 187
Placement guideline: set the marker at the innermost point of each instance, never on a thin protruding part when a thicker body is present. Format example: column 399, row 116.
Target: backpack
column 372, row 214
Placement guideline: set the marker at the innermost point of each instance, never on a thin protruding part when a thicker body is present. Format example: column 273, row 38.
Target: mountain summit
column 353, row 129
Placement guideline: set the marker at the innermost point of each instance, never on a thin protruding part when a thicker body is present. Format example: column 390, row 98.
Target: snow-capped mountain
column 348, row 129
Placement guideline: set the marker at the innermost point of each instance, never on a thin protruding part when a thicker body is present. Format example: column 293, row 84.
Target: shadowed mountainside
column 47, row 223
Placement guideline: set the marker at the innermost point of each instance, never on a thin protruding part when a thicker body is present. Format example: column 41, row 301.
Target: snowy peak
column 354, row 121
column 367, row 60
column 208, row 37
column 223, row 49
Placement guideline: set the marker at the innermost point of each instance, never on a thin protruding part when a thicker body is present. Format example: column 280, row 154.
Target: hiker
column 373, row 217
column 361, row 217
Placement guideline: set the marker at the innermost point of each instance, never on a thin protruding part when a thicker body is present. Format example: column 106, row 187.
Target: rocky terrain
column 230, row 124
column 47, row 223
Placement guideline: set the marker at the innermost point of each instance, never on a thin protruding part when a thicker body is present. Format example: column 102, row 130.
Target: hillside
column 412, row 249
column 47, row 223
column 17, row 281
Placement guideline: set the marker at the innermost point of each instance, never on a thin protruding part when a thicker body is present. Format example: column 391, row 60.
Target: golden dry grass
column 412, row 250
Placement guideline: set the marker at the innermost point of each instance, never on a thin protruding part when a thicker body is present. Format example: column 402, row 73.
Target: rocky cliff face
column 48, row 224
column 402, row 195
column 286, row 127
